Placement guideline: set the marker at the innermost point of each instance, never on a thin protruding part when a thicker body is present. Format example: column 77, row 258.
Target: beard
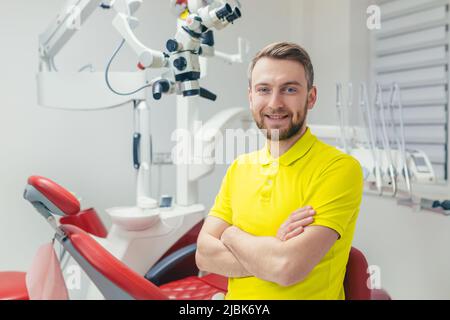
column 292, row 129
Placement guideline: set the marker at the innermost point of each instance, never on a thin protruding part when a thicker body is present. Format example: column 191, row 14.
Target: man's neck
column 278, row 148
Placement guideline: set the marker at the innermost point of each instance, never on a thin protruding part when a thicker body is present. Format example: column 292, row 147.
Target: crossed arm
column 212, row 255
column 285, row 259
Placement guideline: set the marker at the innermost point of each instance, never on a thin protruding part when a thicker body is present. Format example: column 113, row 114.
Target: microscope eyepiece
column 234, row 16
column 224, row 11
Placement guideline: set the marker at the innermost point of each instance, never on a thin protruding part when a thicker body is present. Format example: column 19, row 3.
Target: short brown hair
column 285, row 51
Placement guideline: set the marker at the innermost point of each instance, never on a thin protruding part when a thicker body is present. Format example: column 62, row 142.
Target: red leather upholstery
column 110, row 267
column 12, row 286
column 356, row 279
column 59, row 196
column 356, row 276
column 195, row 288
column 215, row 280
column 87, row 220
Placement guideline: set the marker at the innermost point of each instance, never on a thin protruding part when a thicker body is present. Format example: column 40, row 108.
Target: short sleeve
column 336, row 194
column 222, row 204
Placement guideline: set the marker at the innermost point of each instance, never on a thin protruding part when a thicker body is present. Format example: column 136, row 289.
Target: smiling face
column 279, row 97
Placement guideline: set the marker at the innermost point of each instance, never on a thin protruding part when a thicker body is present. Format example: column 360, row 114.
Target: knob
column 172, row 45
column 180, row 63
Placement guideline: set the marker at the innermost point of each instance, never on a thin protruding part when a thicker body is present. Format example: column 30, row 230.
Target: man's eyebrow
column 284, row 84
column 296, row 83
column 262, row 84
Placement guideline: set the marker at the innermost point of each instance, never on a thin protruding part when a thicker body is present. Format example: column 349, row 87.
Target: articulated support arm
column 63, row 27
column 148, row 58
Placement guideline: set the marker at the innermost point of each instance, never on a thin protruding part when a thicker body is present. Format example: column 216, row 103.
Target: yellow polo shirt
column 258, row 193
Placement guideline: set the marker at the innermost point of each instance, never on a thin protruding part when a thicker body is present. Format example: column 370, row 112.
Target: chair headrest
column 50, row 194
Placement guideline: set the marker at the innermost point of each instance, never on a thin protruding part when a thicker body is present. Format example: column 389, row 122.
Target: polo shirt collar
column 298, row 150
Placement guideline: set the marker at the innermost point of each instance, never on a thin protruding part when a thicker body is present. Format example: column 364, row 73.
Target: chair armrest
column 175, row 266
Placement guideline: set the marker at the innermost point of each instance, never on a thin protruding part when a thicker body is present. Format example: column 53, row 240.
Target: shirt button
column 269, row 182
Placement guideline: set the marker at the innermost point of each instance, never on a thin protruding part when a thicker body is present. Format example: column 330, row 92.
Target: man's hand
column 296, row 223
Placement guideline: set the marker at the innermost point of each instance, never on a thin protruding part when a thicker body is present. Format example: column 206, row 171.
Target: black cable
column 107, row 75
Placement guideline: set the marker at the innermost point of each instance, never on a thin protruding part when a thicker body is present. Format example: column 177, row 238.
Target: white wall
column 90, row 152
column 411, row 248
column 327, row 38
column 335, row 35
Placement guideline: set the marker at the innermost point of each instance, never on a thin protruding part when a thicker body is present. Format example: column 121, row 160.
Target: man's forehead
column 268, row 70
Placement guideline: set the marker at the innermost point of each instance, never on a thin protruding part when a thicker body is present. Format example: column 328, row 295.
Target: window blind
column 411, row 48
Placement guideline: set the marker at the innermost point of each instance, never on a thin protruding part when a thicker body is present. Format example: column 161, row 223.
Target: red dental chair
column 116, row 281
column 113, row 278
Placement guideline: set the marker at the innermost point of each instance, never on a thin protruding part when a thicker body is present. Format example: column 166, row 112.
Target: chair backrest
column 112, row 277
column 356, row 276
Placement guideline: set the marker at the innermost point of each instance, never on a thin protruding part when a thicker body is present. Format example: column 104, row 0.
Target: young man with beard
column 255, row 234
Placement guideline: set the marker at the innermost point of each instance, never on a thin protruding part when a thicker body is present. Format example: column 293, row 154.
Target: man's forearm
column 213, row 256
column 259, row 255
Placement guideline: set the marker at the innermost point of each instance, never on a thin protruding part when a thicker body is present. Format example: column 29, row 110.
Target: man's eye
column 263, row 90
column 290, row 90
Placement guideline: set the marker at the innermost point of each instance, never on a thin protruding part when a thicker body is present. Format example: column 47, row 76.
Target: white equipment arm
column 75, row 13
column 341, row 116
column 148, row 58
column 64, row 26
column 240, row 57
column 379, row 105
column 395, row 98
column 371, row 135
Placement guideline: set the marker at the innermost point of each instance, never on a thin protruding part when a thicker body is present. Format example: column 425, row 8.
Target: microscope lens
column 235, row 15
column 224, row 11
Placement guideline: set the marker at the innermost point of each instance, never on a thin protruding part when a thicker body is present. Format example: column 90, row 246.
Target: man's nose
column 276, row 100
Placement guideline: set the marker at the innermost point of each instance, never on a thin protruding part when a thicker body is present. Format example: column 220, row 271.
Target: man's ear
column 312, row 97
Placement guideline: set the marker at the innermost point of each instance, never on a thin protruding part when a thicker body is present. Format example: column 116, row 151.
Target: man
column 255, row 234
